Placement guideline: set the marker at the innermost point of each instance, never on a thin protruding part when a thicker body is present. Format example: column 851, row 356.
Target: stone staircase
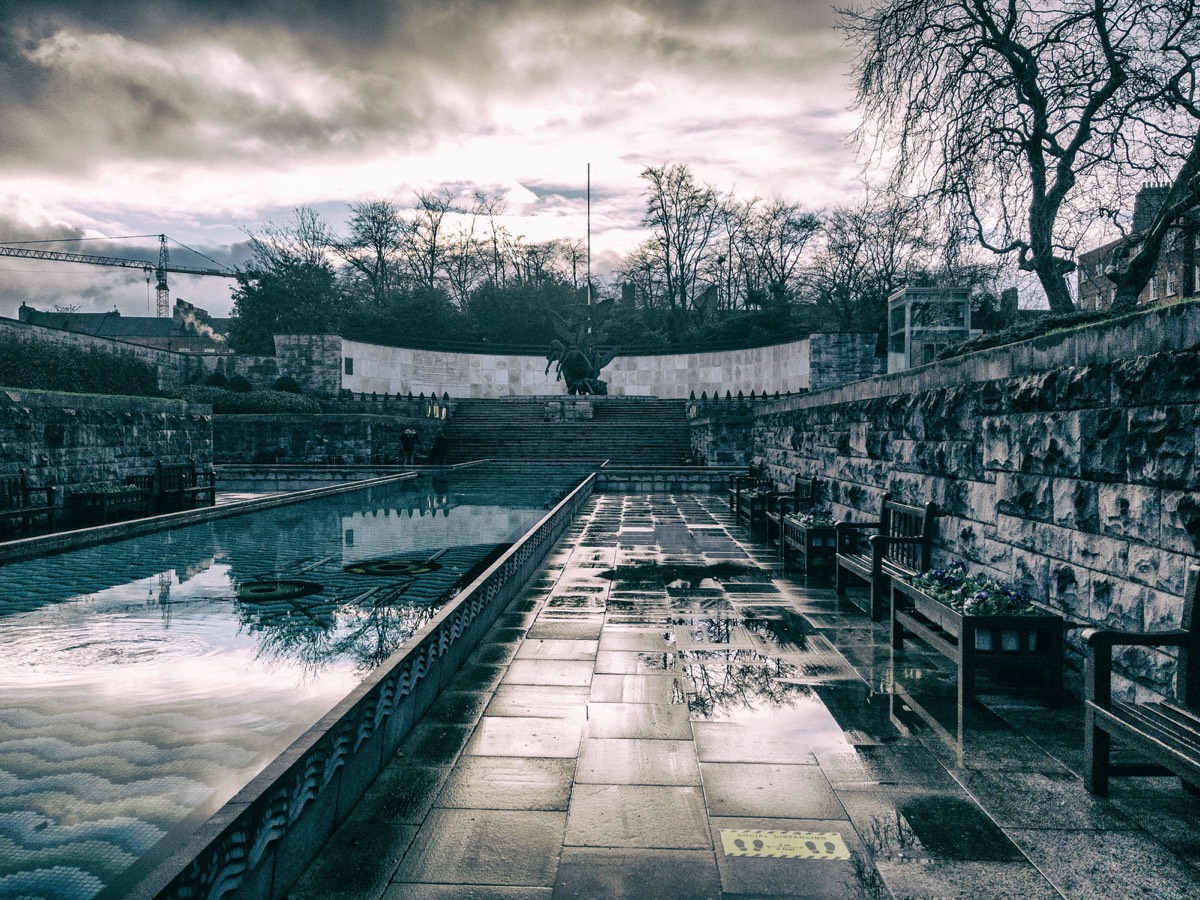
column 623, row 430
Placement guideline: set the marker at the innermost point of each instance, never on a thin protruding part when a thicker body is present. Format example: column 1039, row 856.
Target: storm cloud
column 202, row 119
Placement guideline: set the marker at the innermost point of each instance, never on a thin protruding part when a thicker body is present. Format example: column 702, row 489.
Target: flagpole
column 589, row 234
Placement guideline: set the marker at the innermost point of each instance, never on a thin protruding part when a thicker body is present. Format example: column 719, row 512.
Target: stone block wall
column 1077, row 481
column 319, row 363
column 69, row 440
column 316, row 440
column 842, row 358
column 314, row 361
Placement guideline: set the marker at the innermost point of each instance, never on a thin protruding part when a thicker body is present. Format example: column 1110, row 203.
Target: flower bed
column 973, row 595
column 979, row 623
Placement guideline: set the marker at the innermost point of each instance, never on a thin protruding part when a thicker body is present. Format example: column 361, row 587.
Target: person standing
column 408, row 446
column 440, row 448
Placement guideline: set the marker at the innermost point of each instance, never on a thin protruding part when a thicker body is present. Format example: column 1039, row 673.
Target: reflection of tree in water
column 787, row 630
column 315, row 630
column 738, row 679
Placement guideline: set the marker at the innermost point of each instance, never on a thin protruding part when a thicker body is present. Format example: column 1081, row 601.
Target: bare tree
column 778, row 233
column 683, row 215
column 1024, row 119
column 865, row 253
column 373, row 251
column 426, row 245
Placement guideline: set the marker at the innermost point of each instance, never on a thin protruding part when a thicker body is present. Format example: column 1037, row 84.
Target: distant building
column 922, row 322
column 1178, row 271
column 189, row 330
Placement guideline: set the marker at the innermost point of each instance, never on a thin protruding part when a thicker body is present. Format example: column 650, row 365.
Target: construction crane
column 162, row 294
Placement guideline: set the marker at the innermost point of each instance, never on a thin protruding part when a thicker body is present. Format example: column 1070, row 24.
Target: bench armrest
column 1107, row 638
column 846, row 526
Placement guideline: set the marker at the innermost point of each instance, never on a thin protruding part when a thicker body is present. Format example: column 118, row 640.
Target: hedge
column 261, row 402
column 37, row 365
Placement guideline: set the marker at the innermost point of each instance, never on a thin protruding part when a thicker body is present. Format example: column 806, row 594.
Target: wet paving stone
column 1108, row 864
column 625, row 662
column 636, row 689
column 762, row 790
column 514, row 736
column 357, row 862
column 567, row 629
column 402, row 794
column 638, row 720
column 585, row 873
column 938, row 878
column 552, row 649
column 1063, row 801
column 539, row 701
column 434, row 743
column 637, row 761
column 729, row 742
column 465, row 892
column 914, row 824
column 883, row 764
column 650, row 817
column 485, row 847
column 461, row 707
column 495, row 654
column 736, row 698
column 572, row 672
column 475, row 676
column 636, row 639
column 502, row 782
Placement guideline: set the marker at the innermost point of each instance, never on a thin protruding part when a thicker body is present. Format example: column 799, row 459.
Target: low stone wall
column 1067, row 465
column 260, row 842
column 682, row 480
column 324, row 439
column 74, row 439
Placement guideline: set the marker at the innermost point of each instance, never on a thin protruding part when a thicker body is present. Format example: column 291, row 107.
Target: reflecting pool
column 143, row 682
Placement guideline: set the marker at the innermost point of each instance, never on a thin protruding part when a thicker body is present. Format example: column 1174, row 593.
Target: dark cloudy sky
column 203, row 119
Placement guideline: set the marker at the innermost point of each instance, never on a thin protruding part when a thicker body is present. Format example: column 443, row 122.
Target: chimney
column 1009, row 305
column 1149, row 201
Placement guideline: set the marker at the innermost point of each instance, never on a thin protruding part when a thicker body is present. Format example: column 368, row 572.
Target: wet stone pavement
column 665, row 713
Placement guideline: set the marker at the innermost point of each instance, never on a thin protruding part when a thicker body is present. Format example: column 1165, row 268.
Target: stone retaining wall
column 1067, row 465
column 326, row 364
column 73, row 439
column 315, row 439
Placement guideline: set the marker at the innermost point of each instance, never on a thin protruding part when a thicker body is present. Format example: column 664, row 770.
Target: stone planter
column 1024, row 644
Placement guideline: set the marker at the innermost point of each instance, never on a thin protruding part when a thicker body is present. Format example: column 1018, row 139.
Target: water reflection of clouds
column 151, row 640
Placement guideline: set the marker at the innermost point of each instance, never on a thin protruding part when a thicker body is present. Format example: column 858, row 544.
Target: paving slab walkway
column 663, row 713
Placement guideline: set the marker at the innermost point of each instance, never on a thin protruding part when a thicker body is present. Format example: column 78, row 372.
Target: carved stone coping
column 262, row 840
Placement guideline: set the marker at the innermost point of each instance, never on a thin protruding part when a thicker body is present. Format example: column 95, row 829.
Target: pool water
column 142, row 683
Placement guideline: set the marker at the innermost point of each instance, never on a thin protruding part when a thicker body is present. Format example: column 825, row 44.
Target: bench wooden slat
column 1168, row 732
column 902, row 546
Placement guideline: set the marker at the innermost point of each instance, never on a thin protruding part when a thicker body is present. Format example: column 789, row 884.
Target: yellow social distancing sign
column 784, row 844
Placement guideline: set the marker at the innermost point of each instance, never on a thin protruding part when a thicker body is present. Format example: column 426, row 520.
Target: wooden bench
column 1166, row 732
column 21, row 503
column 100, row 504
column 901, row 545
column 183, row 486
column 780, row 504
column 754, row 480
